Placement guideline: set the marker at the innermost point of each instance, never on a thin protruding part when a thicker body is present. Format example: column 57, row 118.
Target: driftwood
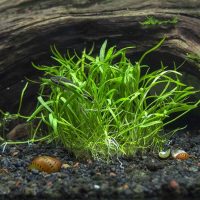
column 29, row 27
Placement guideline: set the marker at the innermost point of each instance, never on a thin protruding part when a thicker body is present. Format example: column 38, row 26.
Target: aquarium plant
column 193, row 57
column 153, row 21
column 105, row 106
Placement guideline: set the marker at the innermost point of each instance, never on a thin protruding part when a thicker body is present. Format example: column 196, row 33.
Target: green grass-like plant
column 153, row 21
column 105, row 106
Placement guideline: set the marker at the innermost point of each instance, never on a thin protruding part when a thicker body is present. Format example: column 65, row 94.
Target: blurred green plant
column 105, row 106
column 5, row 119
column 152, row 21
column 193, row 57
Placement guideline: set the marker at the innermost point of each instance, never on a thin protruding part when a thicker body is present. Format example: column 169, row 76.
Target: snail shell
column 46, row 164
column 164, row 154
column 180, row 154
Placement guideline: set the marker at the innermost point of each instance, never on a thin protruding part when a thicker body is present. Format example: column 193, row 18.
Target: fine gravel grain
column 141, row 177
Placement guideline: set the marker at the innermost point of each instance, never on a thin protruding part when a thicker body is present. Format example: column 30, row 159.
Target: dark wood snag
column 29, row 27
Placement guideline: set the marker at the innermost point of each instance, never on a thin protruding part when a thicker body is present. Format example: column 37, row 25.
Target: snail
column 46, row 164
column 164, row 154
column 20, row 131
column 180, row 154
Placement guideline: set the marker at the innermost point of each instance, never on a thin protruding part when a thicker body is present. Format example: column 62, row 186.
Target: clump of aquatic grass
column 107, row 106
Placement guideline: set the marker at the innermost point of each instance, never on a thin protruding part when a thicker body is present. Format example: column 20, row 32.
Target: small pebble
column 112, row 174
column 174, row 185
column 96, row 187
column 65, row 166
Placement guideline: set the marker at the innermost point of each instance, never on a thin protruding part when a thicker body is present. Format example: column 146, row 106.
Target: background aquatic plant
column 105, row 105
column 193, row 57
column 152, row 21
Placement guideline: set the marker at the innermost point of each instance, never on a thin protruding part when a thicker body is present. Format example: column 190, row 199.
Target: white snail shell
column 164, row 154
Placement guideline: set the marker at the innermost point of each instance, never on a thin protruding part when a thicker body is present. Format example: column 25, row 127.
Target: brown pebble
column 17, row 183
column 4, row 171
column 174, row 185
column 113, row 174
column 49, row 184
column 15, row 153
column 124, row 187
column 76, row 164
column 89, row 161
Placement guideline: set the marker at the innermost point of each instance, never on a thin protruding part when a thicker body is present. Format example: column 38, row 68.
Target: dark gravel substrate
column 142, row 177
